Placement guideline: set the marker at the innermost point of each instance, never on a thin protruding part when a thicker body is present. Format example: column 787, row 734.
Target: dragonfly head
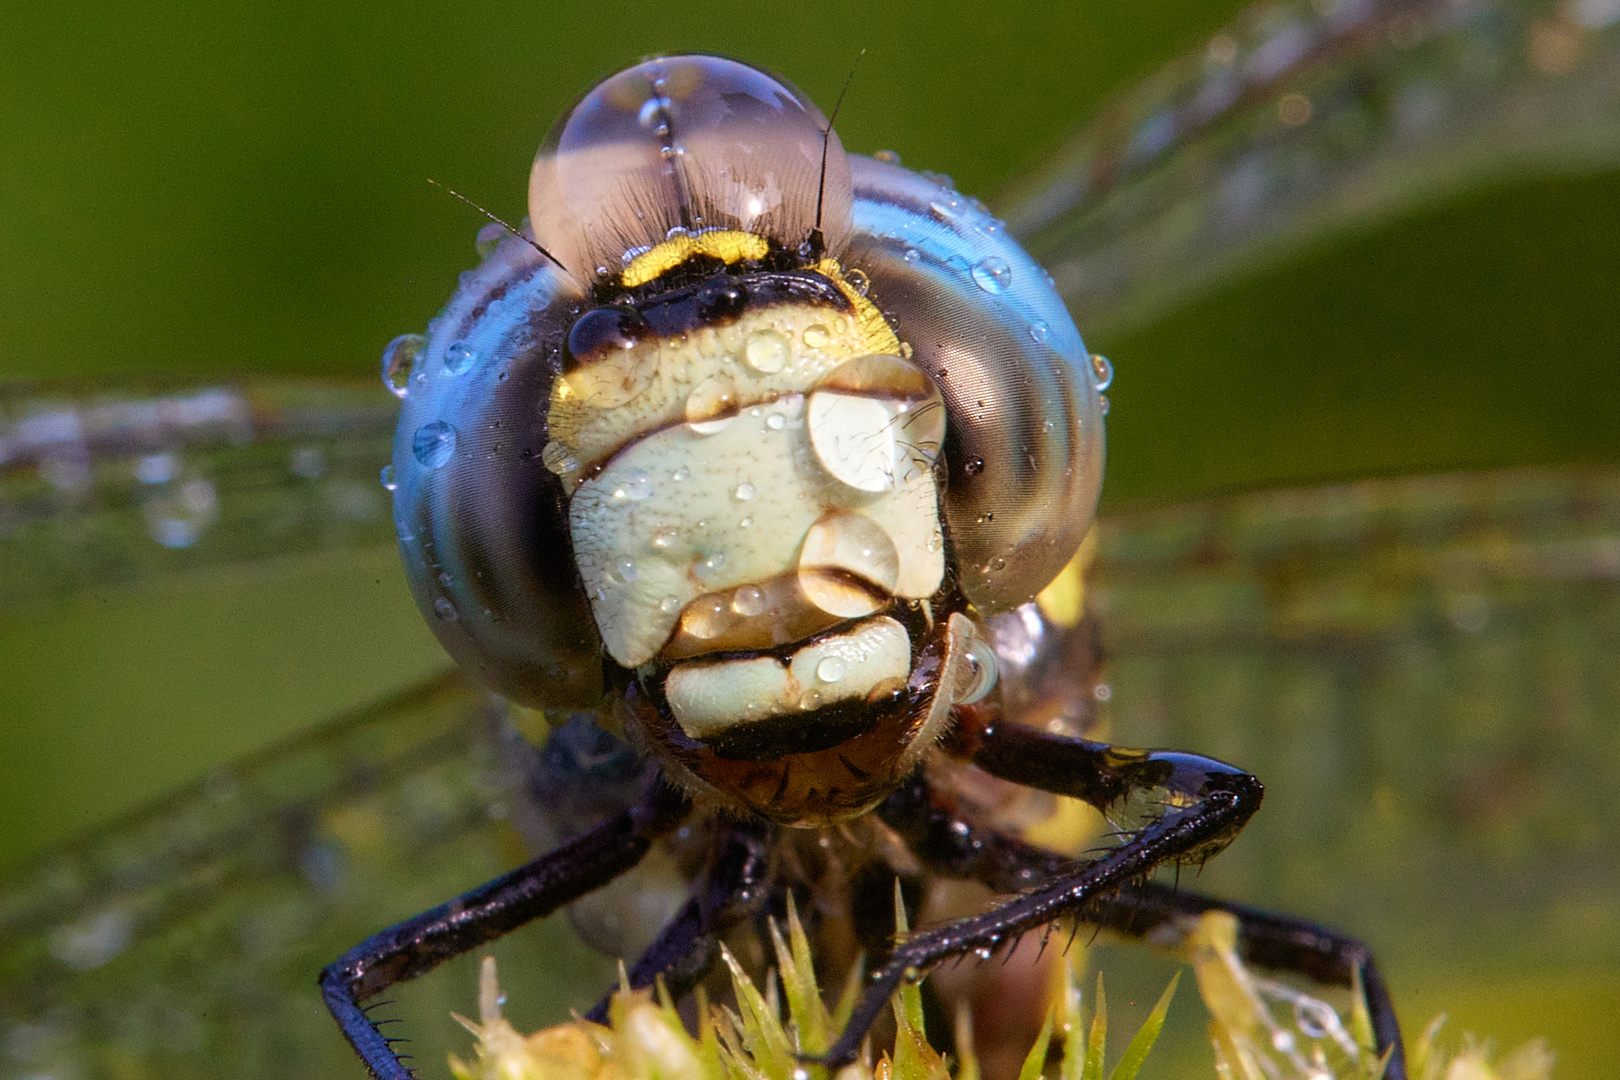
column 738, row 460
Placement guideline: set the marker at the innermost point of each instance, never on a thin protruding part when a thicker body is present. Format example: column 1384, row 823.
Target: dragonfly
column 1271, row 623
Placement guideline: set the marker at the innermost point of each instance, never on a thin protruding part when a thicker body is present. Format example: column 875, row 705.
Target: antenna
column 826, row 141
column 518, row 234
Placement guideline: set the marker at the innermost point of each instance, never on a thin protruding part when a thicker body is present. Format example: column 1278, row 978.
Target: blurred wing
column 1423, row 671
column 185, row 941
column 1307, row 118
column 104, row 487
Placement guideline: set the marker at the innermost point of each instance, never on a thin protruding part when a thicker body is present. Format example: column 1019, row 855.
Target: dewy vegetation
column 646, row 1039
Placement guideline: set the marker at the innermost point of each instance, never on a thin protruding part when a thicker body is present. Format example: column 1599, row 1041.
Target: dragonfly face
column 687, row 458
column 1157, row 714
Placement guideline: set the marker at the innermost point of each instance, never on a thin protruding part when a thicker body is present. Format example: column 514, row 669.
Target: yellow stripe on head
column 727, row 245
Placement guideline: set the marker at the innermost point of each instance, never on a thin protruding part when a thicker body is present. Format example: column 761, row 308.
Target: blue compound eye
column 688, row 143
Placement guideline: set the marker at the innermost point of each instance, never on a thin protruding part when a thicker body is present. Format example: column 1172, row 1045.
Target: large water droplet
column 776, row 421
column 1102, row 372
column 851, row 543
column 669, row 605
column 397, row 360
column 980, row 677
column 992, row 274
column 744, row 492
column 766, row 351
column 858, row 280
column 387, row 477
column 748, row 601
column 831, row 669
column 489, row 238
column 876, row 422
column 706, row 617
column 817, row 336
column 1039, row 332
column 459, row 357
column 712, row 405
column 557, row 458
column 912, row 255
column 434, row 444
column 634, row 485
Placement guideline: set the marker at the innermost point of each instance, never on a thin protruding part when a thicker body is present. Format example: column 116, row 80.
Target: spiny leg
column 1269, row 940
column 536, row 889
column 731, row 891
column 1206, row 803
column 952, row 845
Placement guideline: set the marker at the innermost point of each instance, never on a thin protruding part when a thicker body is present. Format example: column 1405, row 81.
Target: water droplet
column 992, row 274
column 858, row 281
column 817, row 336
column 624, row 570
column 1102, row 402
column 980, row 678
column 1039, row 332
column 665, row 537
column 745, row 523
column 682, row 473
column 912, row 255
column 397, row 361
column 459, row 357
column 712, row 405
column 744, row 492
column 634, row 485
column 831, row 669
column 936, row 540
column 809, row 700
column 711, row 565
column 946, row 207
column 157, row 468
column 776, row 421
column 179, row 518
column 445, row 579
column 669, row 605
column 766, row 351
column 973, row 466
column 434, row 444
column 489, row 238
column 706, row 618
column 1102, row 372
column 444, row 609
column 556, row 457
column 982, row 953
column 387, row 477
column 748, row 600
column 891, row 158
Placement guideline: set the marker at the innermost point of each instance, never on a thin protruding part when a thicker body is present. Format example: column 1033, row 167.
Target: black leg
column 1205, row 804
column 1267, row 939
column 417, row 945
column 731, row 891
column 954, row 846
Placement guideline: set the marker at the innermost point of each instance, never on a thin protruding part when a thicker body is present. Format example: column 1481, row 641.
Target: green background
column 219, row 190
